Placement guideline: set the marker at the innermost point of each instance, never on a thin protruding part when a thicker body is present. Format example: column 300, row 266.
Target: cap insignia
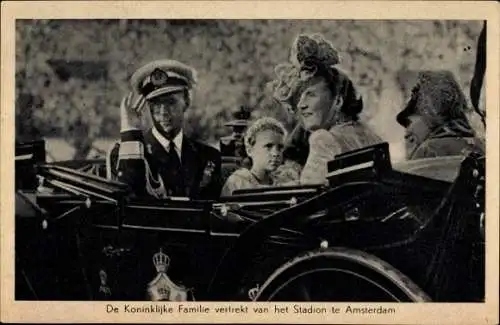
column 159, row 77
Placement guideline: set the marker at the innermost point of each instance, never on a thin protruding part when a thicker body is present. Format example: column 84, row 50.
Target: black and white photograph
column 250, row 160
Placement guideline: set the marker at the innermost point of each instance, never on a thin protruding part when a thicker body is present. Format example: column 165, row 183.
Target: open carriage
column 378, row 232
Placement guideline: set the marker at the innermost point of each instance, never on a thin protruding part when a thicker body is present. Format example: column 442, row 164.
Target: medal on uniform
column 162, row 288
column 207, row 173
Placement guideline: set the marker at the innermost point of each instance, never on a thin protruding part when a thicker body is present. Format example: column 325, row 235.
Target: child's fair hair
column 260, row 125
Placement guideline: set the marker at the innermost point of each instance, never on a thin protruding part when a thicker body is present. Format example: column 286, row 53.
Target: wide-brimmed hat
column 309, row 55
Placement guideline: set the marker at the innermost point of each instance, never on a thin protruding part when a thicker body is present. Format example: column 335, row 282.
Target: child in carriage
column 264, row 143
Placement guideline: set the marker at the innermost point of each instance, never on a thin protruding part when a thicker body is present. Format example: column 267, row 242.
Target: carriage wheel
column 339, row 274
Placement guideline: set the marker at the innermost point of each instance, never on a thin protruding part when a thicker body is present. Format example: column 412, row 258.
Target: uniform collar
column 165, row 143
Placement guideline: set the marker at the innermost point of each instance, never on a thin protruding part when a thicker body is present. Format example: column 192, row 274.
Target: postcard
column 250, row 162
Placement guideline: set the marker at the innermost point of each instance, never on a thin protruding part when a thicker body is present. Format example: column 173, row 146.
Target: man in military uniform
column 434, row 119
column 162, row 161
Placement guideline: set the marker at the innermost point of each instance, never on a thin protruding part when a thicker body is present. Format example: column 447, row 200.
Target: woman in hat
column 434, row 118
column 326, row 103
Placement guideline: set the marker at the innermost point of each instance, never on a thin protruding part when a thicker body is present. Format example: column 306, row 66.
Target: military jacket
column 140, row 161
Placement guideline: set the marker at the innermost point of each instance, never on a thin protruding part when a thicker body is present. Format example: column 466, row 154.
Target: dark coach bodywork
column 428, row 228
column 408, row 232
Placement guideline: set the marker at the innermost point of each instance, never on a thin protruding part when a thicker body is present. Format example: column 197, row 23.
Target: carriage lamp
column 45, row 224
column 323, row 244
column 292, row 201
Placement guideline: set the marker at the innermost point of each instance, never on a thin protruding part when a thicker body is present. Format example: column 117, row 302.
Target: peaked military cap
column 162, row 77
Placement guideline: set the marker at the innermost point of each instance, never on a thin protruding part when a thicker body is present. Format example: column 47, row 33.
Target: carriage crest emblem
column 162, row 288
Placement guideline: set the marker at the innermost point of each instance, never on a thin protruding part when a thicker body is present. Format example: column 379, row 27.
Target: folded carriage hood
column 440, row 168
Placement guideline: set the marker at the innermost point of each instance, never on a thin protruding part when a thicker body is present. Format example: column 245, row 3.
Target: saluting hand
column 131, row 108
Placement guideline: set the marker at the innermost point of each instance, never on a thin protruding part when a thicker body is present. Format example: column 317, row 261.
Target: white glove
column 131, row 108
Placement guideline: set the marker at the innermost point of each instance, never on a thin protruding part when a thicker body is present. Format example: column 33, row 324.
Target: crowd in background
column 72, row 74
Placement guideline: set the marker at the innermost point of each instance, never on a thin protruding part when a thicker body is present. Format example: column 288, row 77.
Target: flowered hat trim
column 308, row 54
